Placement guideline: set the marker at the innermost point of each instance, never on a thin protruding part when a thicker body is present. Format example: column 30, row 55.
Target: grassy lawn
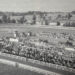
column 4, row 29
column 9, row 70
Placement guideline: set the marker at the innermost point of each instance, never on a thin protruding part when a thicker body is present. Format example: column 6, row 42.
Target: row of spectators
column 40, row 50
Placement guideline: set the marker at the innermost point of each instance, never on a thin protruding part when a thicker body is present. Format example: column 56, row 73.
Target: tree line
column 44, row 18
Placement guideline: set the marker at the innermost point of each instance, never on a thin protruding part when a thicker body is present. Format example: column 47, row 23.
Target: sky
column 37, row 5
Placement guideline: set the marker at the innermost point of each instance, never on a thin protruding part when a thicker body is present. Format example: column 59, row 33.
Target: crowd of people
column 29, row 45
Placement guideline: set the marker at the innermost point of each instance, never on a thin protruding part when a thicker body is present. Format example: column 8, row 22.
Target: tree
column 46, row 22
column 22, row 20
column 67, row 24
column 68, row 15
column 8, row 20
column 13, row 21
column 4, row 19
column 73, row 12
column 0, row 21
column 34, row 19
column 72, row 24
column 58, row 23
column 59, row 16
